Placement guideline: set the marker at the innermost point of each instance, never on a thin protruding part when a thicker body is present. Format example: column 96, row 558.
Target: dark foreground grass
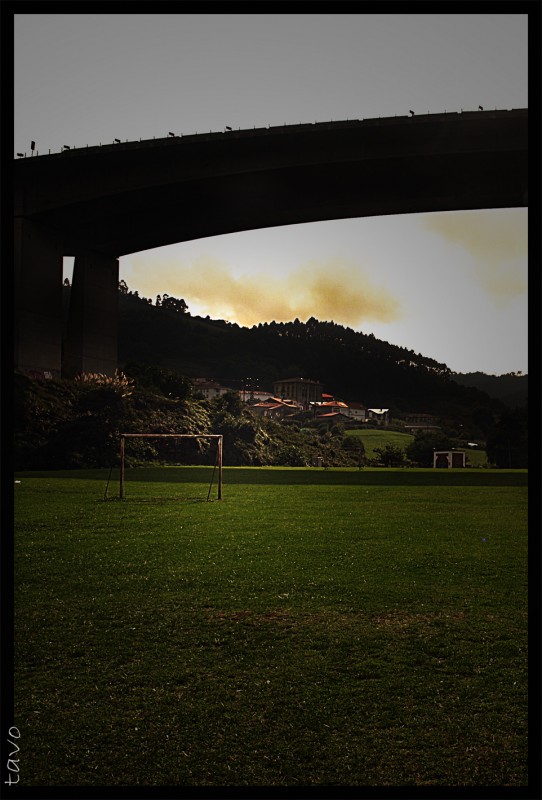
column 316, row 627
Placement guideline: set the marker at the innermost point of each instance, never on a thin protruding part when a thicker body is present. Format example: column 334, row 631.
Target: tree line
column 62, row 424
column 350, row 364
column 161, row 347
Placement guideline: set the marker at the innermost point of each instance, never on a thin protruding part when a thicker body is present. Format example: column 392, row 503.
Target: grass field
column 380, row 437
column 376, row 437
column 316, row 627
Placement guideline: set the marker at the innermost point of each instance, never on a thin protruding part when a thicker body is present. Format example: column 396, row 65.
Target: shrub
column 421, row 449
column 390, row 455
column 118, row 382
column 289, row 455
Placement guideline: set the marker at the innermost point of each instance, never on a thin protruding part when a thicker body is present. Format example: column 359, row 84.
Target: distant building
column 357, row 411
column 419, row 418
column 414, row 429
column 301, row 390
column 255, row 396
column 448, row 459
column 380, row 415
column 415, row 422
column 333, row 406
column 422, row 428
column 273, row 408
column 332, row 417
column 209, row 389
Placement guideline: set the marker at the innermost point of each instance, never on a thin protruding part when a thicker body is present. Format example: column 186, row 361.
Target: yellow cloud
column 497, row 241
column 334, row 290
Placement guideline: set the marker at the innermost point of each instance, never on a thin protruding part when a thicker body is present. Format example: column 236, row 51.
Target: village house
column 293, row 395
column 380, row 415
column 255, row 395
column 419, row 417
column 273, row 408
column 301, row 390
column 354, row 411
column 209, row 389
column 420, row 421
column 357, row 412
column 333, row 416
column 332, row 407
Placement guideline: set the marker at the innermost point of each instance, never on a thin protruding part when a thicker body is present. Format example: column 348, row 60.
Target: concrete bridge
column 99, row 203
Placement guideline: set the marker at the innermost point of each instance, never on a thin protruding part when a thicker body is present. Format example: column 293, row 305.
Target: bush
column 118, row 382
column 290, row 456
column 169, row 383
column 421, row 449
column 68, row 424
column 390, row 455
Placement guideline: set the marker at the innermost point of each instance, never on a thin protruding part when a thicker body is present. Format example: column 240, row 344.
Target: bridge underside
column 104, row 204
column 168, row 214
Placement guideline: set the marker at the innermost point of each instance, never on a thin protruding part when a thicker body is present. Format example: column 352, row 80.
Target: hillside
column 381, row 437
column 351, row 365
column 61, row 424
column 512, row 389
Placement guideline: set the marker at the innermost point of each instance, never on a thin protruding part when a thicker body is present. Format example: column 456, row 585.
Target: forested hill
column 351, row 365
column 511, row 389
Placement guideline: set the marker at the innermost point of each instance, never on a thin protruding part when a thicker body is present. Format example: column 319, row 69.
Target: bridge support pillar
column 91, row 339
column 38, row 298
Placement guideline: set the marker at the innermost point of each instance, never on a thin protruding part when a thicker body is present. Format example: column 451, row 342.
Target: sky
column 451, row 286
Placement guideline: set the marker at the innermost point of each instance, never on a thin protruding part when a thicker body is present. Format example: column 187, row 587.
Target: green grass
column 380, row 438
column 315, row 627
column 476, row 458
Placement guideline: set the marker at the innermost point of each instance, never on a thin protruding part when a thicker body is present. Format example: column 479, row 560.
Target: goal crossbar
column 217, row 436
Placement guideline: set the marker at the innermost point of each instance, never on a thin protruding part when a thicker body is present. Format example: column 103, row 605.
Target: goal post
column 213, row 436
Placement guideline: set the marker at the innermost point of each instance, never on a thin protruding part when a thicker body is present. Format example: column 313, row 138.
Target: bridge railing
column 171, row 139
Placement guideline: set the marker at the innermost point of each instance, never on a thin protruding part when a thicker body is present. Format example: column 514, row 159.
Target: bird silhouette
column 480, row 108
column 411, row 112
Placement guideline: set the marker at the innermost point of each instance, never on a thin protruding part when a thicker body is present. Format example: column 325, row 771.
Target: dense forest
column 350, row 364
column 511, row 389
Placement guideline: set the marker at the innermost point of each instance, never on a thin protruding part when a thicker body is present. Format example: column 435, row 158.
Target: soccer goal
column 217, row 438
